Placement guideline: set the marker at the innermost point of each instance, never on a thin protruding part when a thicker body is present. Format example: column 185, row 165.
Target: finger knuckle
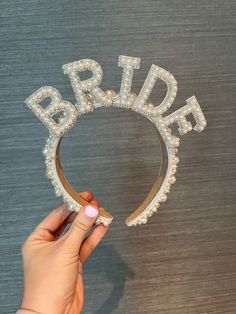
column 90, row 247
column 24, row 246
column 82, row 226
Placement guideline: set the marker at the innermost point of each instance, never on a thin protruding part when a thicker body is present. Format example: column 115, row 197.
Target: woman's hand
column 53, row 282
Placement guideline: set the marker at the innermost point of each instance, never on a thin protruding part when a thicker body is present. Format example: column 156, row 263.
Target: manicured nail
column 90, row 211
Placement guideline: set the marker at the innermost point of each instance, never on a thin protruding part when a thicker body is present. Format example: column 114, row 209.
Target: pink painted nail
column 90, row 211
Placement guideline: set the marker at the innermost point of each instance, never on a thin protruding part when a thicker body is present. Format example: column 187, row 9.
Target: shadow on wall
column 115, row 270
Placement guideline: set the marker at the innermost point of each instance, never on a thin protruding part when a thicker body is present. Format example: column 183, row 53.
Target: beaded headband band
column 90, row 96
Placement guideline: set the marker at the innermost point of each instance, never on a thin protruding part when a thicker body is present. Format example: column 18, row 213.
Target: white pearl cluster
column 49, row 152
column 89, row 96
column 90, row 85
column 179, row 116
column 148, row 108
column 69, row 111
column 125, row 99
column 172, row 163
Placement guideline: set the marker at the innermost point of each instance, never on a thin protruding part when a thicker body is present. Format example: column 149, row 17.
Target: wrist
column 37, row 303
column 27, row 311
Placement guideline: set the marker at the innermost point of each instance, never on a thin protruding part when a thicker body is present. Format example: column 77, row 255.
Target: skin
column 53, row 263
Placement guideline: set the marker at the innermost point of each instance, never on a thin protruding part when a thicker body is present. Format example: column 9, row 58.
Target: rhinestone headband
column 90, row 96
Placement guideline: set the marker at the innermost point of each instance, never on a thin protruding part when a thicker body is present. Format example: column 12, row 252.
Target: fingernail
column 90, row 211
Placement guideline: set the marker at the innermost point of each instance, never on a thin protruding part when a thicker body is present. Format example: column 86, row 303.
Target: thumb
column 81, row 225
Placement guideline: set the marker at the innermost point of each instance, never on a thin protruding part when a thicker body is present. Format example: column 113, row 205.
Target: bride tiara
column 90, row 96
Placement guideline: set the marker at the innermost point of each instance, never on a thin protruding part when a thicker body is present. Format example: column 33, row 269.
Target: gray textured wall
column 184, row 259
